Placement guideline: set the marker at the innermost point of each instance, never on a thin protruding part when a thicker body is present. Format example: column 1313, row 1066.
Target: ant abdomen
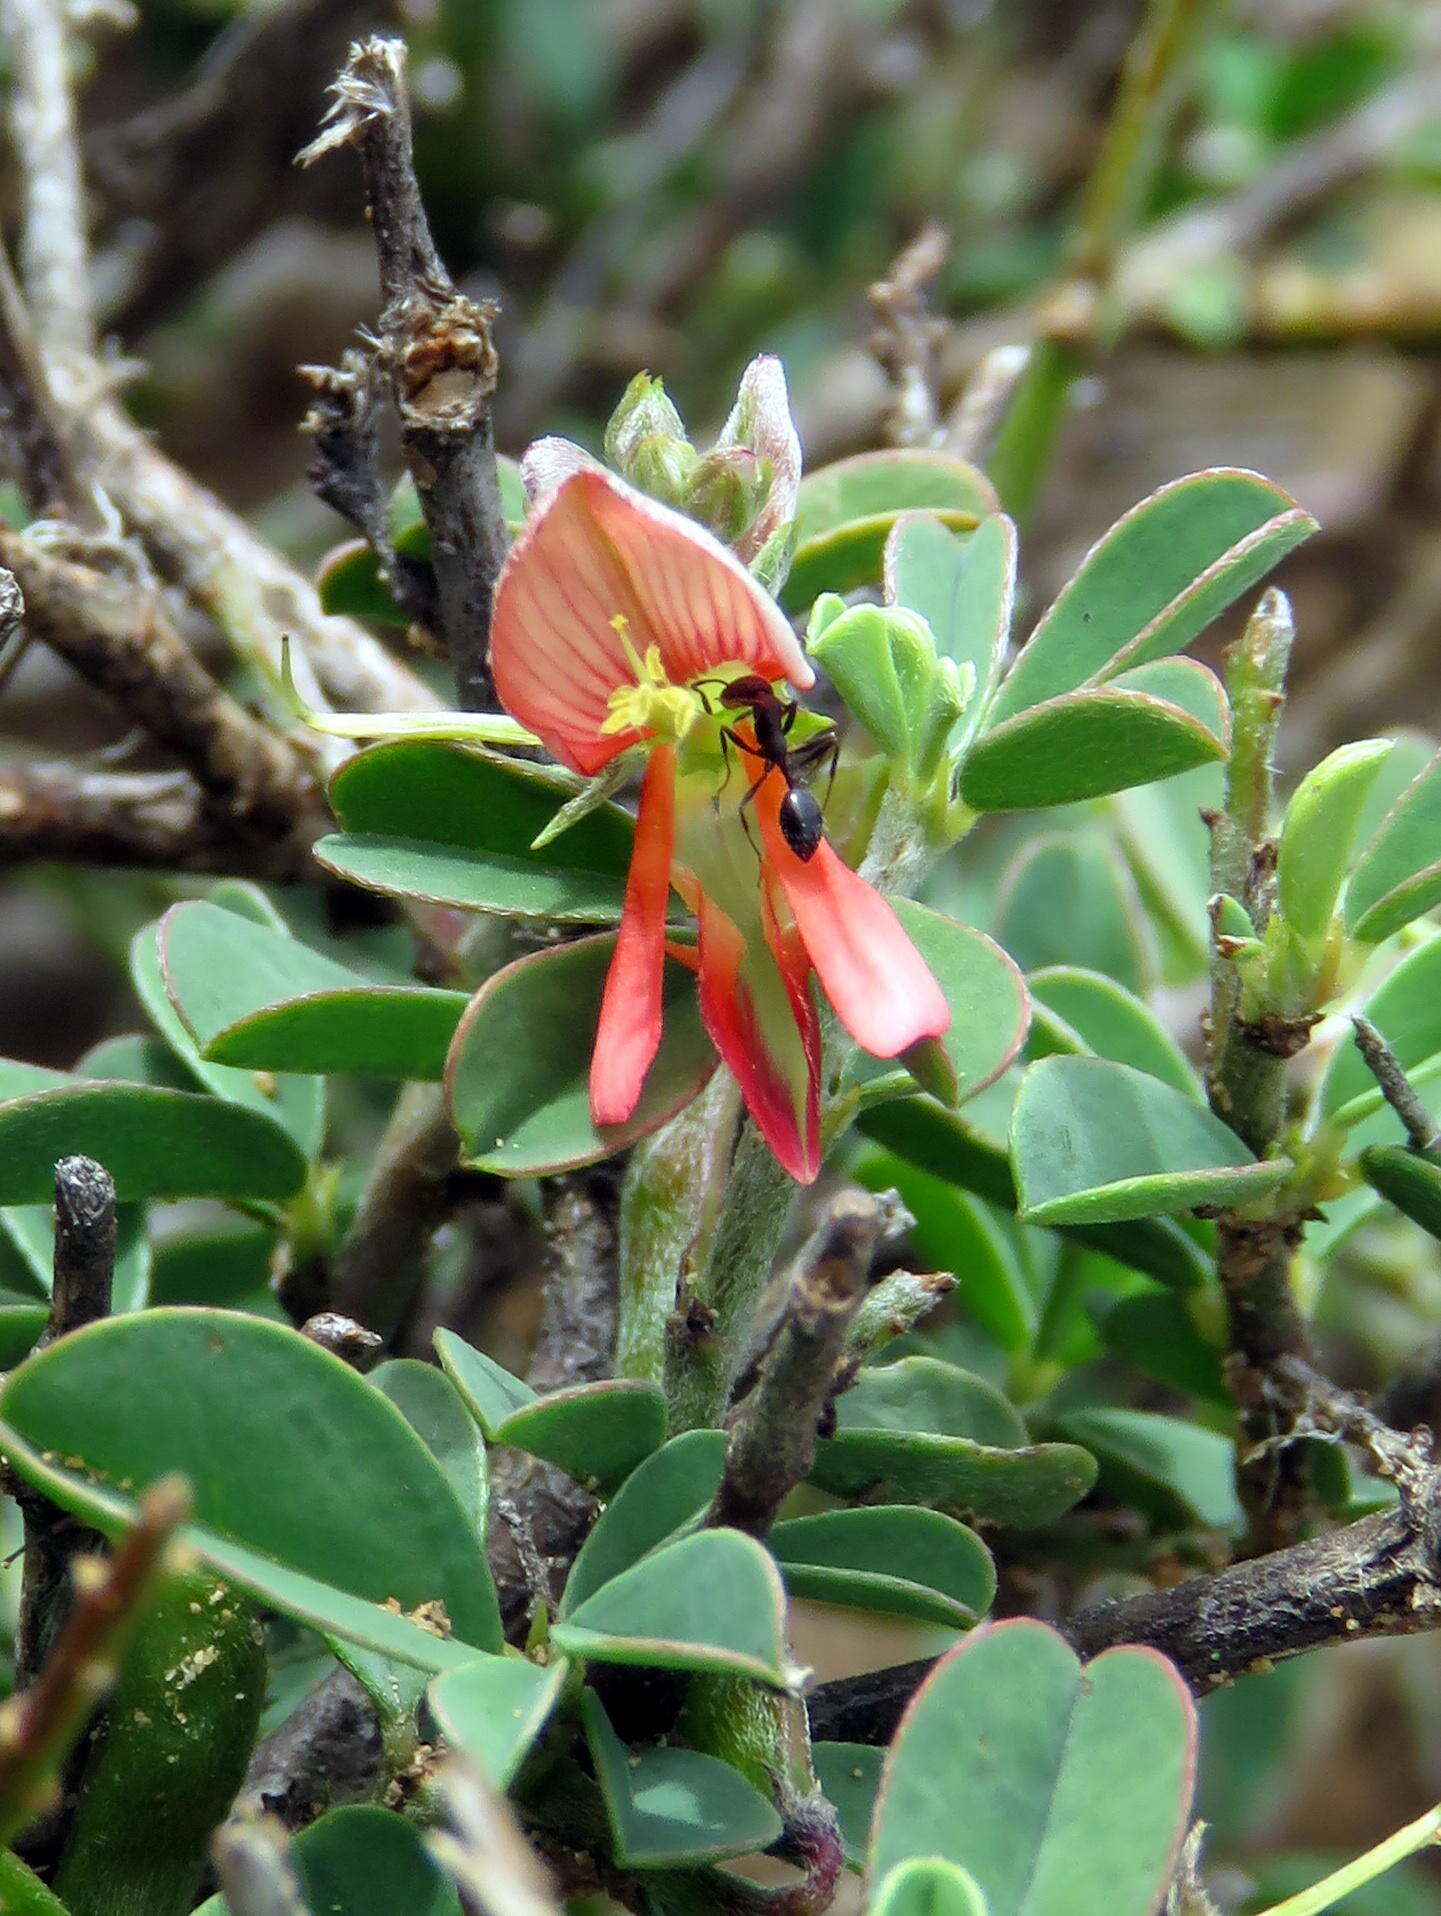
column 802, row 824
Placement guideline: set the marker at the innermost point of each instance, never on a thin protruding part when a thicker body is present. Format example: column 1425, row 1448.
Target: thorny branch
column 436, row 346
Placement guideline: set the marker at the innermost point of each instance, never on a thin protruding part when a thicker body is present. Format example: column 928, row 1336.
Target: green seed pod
column 169, row 1756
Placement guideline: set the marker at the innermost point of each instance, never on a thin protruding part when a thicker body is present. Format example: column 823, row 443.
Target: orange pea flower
column 614, row 619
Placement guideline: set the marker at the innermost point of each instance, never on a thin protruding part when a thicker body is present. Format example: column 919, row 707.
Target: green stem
column 1329, row 1891
column 1078, row 322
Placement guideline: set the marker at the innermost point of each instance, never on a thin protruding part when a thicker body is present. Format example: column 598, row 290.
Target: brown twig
column 149, row 820
column 40, row 456
column 328, row 1751
column 343, row 424
column 54, row 251
column 542, row 1515
column 38, row 1725
column 774, row 1429
column 436, row 346
column 83, row 1273
column 117, row 634
column 210, row 166
column 908, row 337
column 1396, row 1088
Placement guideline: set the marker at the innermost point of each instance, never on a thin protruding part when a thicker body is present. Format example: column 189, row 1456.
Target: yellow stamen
column 652, row 704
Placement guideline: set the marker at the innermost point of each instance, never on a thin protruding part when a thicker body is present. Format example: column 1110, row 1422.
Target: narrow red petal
column 883, row 990
column 791, row 1127
column 628, row 1034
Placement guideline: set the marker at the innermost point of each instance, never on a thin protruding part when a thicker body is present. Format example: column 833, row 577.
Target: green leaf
column 1025, row 1487
column 445, row 793
column 488, row 1392
column 297, row 1104
column 664, row 1494
column 596, row 1433
column 1406, row 1009
column 670, row 1806
column 899, row 1560
column 1406, row 1179
column 954, row 1229
column 1156, row 579
column 254, row 997
column 845, row 512
column 923, row 1393
column 963, row 588
column 22, row 1893
column 518, row 1075
column 1398, row 875
column 1094, row 1142
column 850, row 1777
column 709, row 1602
column 154, row 1144
column 1069, row 900
column 512, row 886
column 987, row 995
column 1100, row 739
column 938, row 1142
column 1081, row 1011
column 20, row 1326
column 1156, row 1333
column 1176, row 1473
column 296, row 1463
column 1064, row 1790
column 437, row 1413
column 493, row 1710
column 364, row 1861
column 929, row 1886
column 1313, row 851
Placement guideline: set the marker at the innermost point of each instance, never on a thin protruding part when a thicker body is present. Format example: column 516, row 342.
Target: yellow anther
column 653, row 704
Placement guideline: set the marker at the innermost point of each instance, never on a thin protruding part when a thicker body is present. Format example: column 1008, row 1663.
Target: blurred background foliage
column 678, row 184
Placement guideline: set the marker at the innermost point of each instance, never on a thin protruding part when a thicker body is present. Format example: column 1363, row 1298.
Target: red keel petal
column 628, row 1034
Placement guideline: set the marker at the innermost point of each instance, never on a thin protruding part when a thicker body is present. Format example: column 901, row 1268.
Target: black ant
column 801, row 821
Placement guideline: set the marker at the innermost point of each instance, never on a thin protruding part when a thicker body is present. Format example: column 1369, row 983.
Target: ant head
column 750, row 690
column 802, row 824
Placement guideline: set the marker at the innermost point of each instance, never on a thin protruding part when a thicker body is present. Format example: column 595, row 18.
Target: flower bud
column 643, row 413
column 884, row 665
column 760, row 423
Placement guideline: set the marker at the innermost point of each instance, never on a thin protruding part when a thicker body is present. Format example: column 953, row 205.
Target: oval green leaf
column 596, row 1433
column 364, row 1861
column 929, row 1886
column 663, row 1495
column 1177, row 1473
column 1313, row 850
column 488, row 1392
column 1398, row 875
column 1025, row 1488
column 493, row 1710
column 1406, row 1179
column 517, row 1079
column 670, row 1806
column 291, row 1456
column 964, row 588
column 850, row 1777
column 709, row 1602
column 1088, row 743
column 1155, row 580
column 1067, row 899
column 154, row 1144
column 845, row 512
column 899, row 1560
column 437, row 1413
column 254, row 997
column 1079, row 1011
column 442, row 792
column 1094, row 1142
column 923, row 1393
column 1064, row 1790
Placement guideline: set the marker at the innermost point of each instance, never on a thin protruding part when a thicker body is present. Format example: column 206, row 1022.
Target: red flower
column 609, row 610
